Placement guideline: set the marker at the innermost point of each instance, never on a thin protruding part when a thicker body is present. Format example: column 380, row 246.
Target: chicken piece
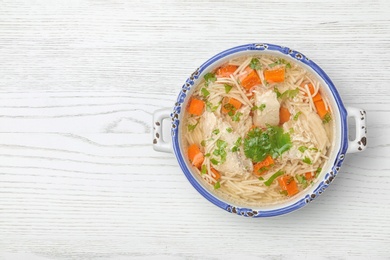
column 268, row 109
column 236, row 163
column 315, row 125
column 245, row 120
column 209, row 123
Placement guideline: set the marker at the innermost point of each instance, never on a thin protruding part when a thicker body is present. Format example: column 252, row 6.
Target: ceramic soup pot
column 341, row 146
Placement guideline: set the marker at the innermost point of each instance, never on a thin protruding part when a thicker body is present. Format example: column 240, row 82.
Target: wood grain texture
column 79, row 81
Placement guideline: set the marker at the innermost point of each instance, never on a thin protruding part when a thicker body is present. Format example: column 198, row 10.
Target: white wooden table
column 79, row 81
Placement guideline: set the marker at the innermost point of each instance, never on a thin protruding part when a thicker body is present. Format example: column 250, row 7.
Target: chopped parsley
column 213, row 161
column 227, row 88
column 301, row 180
column 278, row 94
column 192, row 127
column 283, row 192
column 234, row 149
column 318, row 171
column 238, row 141
column 265, row 168
column 314, row 149
column 273, row 177
column 237, row 144
column 236, row 117
column 255, row 64
column 209, row 78
column 216, row 131
column 307, row 160
column 229, row 130
column 204, row 169
column 297, row 115
column 261, row 178
column 207, row 155
column 259, row 143
column 302, row 149
column 210, row 107
column 203, row 143
column 290, row 93
column 327, row 118
column 261, row 107
column 217, row 185
column 230, row 108
column 220, row 150
column 279, row 62
column 205, row 92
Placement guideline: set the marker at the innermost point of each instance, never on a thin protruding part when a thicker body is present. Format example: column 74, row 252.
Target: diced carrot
column 226, row 70
column 216, row 174
column 308, row 176
column 321, row 109
column 284, row 115
column 195, row 107
column 287, row 183
column 195, row 155
column 251, row 80
column 317, row 97
column 231, row 105
column 263, row 166
column 276, row 75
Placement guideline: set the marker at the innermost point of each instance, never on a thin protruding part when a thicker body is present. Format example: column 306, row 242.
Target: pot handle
column 360, row 142
column 158, row 143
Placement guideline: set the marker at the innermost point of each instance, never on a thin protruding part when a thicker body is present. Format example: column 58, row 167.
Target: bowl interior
column 338, row 142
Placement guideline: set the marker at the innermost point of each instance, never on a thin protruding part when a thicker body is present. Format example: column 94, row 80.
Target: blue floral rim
column 248, row 212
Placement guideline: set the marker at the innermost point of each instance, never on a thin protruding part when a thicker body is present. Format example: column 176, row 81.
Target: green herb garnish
column 205, row 92
column 229, row 130
column 216, row 131
column 210, row 107
column 213, row 161
column 278, row 62
column 203, row 143
column 261, row 107
column 237, row 145
column 192, row 127
column 236, row 117
column 290, row 93
column 327, row 118
column 220, row 150
column 314, row 149
column 209, row 78
column 259, row 144
column 273, row 177
column 300, row 178
column 217, row 185
column 204, row 169
column 278, row 94
column 307, row 160
column 283, row 192
column 227, row 88
column 302, row 149
column 261, row 178
column 207, row 155
column 255, row 64
column 297, row 115
column 318, row 171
